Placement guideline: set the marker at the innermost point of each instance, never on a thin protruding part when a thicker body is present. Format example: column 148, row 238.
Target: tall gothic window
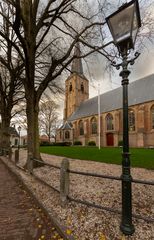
column 93, row 125
column 67, row 135
column 152, row 117
column 81, row 128
column 109, row 122
column 131, row 120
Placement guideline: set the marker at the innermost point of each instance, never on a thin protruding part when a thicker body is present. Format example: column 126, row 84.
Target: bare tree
column 11, row 90
column 47, row 32
column 48, row 118
column 20, row 118
column 42, row 31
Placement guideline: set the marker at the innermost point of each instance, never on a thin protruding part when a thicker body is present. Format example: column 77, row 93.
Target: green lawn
column 143, row 158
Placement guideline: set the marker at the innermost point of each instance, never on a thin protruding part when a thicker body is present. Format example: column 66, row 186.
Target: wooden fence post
column 16, row 156
column 64, row 181
column 30, row 164
column 4, row 152
column 10, row 153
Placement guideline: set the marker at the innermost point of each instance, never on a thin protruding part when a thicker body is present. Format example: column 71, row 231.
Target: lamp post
column 19, row 130
column 124, row 25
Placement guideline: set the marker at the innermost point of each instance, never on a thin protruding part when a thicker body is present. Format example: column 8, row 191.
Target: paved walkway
column 20, row 217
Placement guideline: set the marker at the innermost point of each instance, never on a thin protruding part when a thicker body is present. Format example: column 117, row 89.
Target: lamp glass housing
column 124, row 24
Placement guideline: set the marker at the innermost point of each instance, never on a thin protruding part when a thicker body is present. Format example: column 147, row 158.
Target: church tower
column 76, row 86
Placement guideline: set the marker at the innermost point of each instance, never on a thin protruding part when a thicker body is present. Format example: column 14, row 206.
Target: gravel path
column 87, row 223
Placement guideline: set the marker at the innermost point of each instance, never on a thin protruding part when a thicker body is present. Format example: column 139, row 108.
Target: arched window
column 60, row 134
column 109, row 122
column 82, row 88
column 67, row 135
column 81, row 128
column 152, row 117
column 131, row 120
column 93, row 125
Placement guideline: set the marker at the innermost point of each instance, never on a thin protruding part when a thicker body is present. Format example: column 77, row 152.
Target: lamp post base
column 127, row 229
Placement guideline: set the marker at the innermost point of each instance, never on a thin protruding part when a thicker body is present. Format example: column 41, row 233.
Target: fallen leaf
column 68, row 231
column 102, row 237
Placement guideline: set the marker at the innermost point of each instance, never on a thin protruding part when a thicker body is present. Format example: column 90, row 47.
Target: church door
column 109, row 139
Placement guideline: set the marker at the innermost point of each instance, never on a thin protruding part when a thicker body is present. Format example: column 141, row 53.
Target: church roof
column 13, row 132
column 66, row 126
column 140, row 91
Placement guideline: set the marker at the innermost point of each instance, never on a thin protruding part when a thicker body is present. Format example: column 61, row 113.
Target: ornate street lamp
column 124, row 25
column 19, row 130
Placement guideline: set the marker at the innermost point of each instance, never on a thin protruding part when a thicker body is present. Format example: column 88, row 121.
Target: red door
column 109, row 139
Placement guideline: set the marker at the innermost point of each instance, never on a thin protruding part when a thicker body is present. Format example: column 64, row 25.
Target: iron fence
column 116, row 178
column 64, row 185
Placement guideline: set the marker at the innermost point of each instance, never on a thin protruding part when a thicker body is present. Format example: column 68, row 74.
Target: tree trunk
column 33, row 132
column 5, row 135
column 5, row 131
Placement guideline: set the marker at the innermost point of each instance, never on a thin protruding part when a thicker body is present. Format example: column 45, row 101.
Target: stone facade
column 142, row 135
column 141, row 123
column 76, row 91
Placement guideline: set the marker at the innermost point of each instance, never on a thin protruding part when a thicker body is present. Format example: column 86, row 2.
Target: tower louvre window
column 82, row 88
column 70, row 87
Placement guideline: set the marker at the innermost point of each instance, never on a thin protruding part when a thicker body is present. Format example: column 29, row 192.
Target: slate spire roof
column 77, row 62
column 13, row 131
column 67, row 125
column 139, row 91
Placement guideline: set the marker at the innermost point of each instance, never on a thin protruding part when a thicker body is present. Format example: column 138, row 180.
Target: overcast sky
column 97, row 76
column 143, row 66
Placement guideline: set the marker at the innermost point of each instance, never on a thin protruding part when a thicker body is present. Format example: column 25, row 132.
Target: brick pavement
column 20, row 217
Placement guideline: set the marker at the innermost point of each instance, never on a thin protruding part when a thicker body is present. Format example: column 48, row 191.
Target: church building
column 81, row 119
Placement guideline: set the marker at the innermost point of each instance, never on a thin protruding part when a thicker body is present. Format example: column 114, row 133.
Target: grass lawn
column 143, row 158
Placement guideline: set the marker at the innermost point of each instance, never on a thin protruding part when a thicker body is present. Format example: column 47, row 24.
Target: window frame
column 67, row 134
column 131, row 120
column 152, row 117
column 81, row 128
column 93, row 124
column 109, row 122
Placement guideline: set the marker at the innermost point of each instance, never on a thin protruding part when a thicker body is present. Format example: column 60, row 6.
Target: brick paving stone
column 20, row 217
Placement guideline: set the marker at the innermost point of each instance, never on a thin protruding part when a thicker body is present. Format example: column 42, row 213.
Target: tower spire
column 77, row 62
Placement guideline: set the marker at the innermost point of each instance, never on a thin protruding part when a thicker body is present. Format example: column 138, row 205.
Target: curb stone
column 61, row 229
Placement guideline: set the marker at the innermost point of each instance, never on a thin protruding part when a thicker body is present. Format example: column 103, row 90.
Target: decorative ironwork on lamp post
column 124, row 25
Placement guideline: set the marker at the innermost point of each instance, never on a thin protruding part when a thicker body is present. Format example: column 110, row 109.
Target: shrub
column 45, row 143
column 91, row 143
column 120, row 143
column 77, row 143
column 62, row 144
